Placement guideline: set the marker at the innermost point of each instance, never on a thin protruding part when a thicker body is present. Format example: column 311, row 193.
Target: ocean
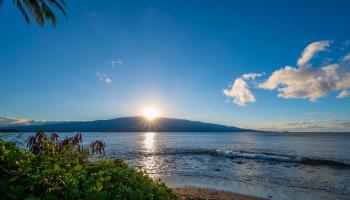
column 271, row 165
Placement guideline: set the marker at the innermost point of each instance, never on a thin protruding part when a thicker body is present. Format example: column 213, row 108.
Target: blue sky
column 113, row 58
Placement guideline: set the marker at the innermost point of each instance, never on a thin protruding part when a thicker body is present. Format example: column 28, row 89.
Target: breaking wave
column 258, row 156
column 280, row 158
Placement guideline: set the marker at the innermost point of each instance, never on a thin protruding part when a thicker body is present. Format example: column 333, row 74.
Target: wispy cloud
column 311, row 50
column 343, row 94
column 345, row 45
column 252, row 75
column 103, row 77
column 108, row 80
column 346, row 58
column 116, row 62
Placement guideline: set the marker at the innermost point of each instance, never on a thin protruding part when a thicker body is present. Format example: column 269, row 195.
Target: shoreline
column 194, row 193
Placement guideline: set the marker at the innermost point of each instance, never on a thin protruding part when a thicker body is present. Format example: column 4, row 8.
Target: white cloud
column 252, row 75
column 343, row 94
column 116, row 62
column 346, row 58
column 307, row 83
column 99, row 76
column 108, row 80
column 304, row 81
column 311, row 50
column 239, row 90
column 240, row 93
column 103, row 77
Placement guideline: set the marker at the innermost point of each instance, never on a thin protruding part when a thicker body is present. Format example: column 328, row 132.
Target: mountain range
column 125, row 124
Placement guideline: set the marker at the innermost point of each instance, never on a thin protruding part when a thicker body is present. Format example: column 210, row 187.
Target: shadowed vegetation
column 62, row 169
column 98, row 146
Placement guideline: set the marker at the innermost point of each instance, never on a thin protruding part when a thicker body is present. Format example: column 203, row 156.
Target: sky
column 274, row 65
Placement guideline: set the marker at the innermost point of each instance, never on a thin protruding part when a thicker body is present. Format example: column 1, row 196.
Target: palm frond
column 23, row 12
column 47, row 13
column 59, row 6
column 36, row 11
column 40, row 10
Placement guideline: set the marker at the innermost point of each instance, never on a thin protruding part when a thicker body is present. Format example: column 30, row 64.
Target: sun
column 150, row 113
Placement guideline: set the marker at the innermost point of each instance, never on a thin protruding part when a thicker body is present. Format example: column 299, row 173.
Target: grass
column 54, row 169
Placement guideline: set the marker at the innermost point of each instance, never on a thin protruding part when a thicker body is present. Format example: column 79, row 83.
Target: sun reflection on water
column 148, row 141
column 150, row 162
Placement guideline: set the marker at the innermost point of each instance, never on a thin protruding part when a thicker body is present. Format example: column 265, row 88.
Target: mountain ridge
column 128, row 124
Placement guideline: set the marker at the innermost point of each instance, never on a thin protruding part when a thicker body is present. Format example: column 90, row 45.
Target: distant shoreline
column 251, row 131
column 49, row 131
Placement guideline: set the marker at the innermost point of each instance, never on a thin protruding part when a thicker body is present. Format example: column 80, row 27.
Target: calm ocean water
column 271, row 165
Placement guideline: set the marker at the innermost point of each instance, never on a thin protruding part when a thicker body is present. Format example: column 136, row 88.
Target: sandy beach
column 189, row 193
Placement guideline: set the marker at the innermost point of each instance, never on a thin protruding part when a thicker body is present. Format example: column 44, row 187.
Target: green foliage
column 63, row 171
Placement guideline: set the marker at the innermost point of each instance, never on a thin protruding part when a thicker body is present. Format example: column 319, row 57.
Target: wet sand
column 189, row 193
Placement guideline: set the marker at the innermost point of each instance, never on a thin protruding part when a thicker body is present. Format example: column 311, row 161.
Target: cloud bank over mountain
column 10, row 121
column 315, row 125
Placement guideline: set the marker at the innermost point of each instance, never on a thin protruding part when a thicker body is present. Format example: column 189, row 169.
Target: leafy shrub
column 53, row 169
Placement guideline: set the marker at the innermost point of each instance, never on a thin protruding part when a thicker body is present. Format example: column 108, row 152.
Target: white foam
column 257, row 156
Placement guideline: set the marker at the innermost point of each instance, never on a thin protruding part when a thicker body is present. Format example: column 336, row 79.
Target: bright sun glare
column 150, row 113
